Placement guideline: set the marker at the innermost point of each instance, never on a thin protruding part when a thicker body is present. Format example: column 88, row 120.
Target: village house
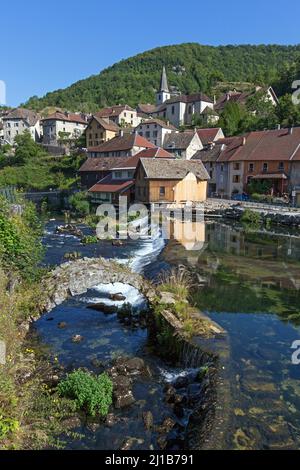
column 120, row 179
column 243, row 98
column 62, row 125
column 122, row 115
column 96, row 168
column 170, row 181
column 209, row 135
column 100, row 130
column 19, row 120
column 183, row 144
column 124, row 145
column 155, row 130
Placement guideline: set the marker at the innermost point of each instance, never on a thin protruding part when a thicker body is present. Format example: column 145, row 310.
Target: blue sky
column 50, row 45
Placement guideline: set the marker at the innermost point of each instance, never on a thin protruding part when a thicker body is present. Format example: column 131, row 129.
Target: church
column 180, row 109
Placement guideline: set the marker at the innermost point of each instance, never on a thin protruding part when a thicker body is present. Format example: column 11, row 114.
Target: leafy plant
column 91, row 393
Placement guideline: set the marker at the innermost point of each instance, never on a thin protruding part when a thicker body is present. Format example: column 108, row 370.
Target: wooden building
column 168, row 180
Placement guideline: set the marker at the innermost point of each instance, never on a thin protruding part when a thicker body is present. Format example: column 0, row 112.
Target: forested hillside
column 190, row 67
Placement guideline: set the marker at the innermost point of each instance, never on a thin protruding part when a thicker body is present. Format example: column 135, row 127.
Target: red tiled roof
column 120, row 143
column 113, row 110
column 159, row 122
column 156, row 152
column 279, row 145
column 109, row 185
column 69, row 117
column 208, row 135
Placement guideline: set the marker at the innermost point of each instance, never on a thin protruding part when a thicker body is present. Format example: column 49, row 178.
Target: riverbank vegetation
column 30, row 167
column 30, row 413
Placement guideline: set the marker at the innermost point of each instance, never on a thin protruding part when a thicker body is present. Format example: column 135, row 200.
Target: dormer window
column 281, row 166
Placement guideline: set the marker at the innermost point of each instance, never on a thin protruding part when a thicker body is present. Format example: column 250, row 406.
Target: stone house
column 19, row 120
column 59, row 126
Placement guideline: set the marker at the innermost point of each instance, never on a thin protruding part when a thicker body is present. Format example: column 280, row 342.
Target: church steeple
column 163, row 94
column 164, row 81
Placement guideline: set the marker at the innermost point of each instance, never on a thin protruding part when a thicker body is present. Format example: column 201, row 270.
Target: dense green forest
column 190, row 67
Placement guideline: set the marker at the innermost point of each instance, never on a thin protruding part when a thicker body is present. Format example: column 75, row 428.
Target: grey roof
column 164, row 81
column 178, row 140
column 26, row 114
column 209, row 111
column 208, row 154
column 169, row 169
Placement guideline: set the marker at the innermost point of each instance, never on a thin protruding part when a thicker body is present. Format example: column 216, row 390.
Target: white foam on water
column 170, row 376
column 131, row 294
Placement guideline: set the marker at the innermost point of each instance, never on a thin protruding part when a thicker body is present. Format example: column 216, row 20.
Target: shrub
column 251, row 218
column 176, row 281
column 89, row 240
column 91, row 393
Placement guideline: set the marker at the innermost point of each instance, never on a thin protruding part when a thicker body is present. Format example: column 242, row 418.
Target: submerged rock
column 167, row 426
column 101, row 307
column 77, row 339
column 117, row 297
column 148, row 419
column 61, row 325
column 123, row 399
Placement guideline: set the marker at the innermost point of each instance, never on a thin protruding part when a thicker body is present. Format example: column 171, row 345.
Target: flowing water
column 248, row 282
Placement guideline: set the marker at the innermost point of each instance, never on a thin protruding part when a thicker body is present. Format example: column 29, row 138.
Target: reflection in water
column 252, row 290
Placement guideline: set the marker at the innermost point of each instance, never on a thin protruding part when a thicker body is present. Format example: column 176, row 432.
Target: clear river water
column 248, row 282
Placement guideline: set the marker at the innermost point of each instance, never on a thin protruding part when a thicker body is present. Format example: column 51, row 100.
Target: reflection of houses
column 170, row 180
column 191, row 235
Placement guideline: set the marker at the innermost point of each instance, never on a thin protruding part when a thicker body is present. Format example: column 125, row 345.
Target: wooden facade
column 149, row 190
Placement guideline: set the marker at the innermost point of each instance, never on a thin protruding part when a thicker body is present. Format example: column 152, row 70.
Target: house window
column 281, row 166
column 236, row 166
column 236, row 178
column 147, row 134
column 173, row 109
column 211, row 173
column 118, row 174
column 265, row 167
column 162, row 191
column 155, row 133
column 16, row 124
column 190, row 109
column 222, row 167
column 251, row 167
column 141, row 134
column 124, row 114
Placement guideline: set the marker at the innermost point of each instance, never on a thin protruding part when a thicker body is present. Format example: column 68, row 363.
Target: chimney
column 121, row 133
column 278, row 127
column 291, row 129
column 227, row 96
column 244, row 141
column 215, row 99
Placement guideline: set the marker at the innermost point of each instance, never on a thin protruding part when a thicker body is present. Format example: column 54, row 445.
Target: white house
column 122, row 115
column 155, row 131
column 63, row 125
column 183, row 145
column 19, row 120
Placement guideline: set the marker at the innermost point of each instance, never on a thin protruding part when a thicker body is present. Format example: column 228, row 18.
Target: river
column 248, row 283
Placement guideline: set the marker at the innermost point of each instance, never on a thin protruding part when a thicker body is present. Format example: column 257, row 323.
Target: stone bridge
column 76, row 277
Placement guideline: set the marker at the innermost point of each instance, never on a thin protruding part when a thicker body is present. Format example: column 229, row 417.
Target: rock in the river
column 134, row 365
column 117, row 243
column 111, row 420
column 170, row 393
column 167, row 426
column 123, row 399
column 69, row 229
column 117, row 297
column 101, row 307
column 148, row 419
column 121, row 383
column 77, row 339
column 96, row 363
column 61, row 325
